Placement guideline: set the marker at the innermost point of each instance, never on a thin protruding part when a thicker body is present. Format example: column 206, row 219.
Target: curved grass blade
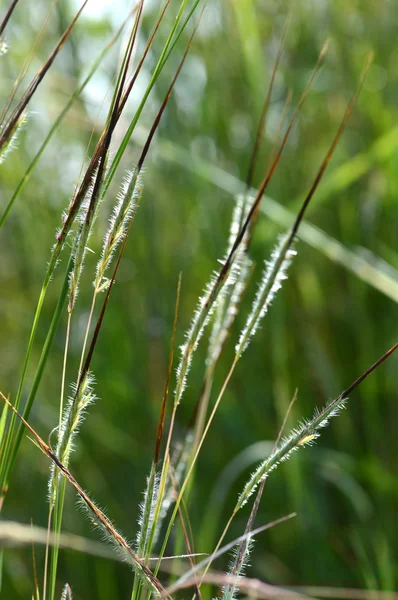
column 16, row 114
column 96, row 514
column 58, row 122
column 8, row 15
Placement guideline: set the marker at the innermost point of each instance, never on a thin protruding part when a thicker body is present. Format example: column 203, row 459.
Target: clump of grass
column 169, row 479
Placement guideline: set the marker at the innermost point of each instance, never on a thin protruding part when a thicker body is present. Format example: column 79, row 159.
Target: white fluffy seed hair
column 13, row 139
column 237, row 568
column 274, row 274
column 123, row 210
column 66, row 592
column 82, row 238
column 74, row 414
column 147, row 510
column 204, row 312
column 304, row 434
column 227, row 308
column 3, row 47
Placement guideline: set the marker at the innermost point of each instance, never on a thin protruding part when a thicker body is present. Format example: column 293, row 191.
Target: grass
column 181, row 433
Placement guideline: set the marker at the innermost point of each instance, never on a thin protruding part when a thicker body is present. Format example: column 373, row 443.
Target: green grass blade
column 3, row 420
column 57, row 123
column 12, row 449
column 167, row 49
column 373, row 272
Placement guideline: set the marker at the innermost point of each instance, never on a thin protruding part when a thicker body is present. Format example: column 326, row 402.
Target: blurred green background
column 326, row 326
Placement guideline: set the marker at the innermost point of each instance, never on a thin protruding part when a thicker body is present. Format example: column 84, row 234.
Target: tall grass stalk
column 206, row 307
column 7, row 16
column 57, row 122
column 272, row 278
column 170, row 477
column 304, row 434
column 11, row 446
column 87, row 219
column 26, row 64
column 97, row 515
column 120, row 226
column 15, row 116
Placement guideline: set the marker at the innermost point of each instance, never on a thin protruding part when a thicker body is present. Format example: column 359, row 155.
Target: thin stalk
column 271, row 281
column 16, row 114
column 59, row 120
column 243, row 548
column 8, row 15
column 264, row 112
column 6, row 464
column 26, row 63
column 61, row 408
column 86, row 333
column 99, row 517
column 9, row 453
column 160, row 64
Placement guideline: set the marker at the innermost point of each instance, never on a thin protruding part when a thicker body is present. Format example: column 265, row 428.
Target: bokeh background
column 334, row 317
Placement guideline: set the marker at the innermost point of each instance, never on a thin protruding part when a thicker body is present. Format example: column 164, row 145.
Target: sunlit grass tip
column 213, row 295
column 147, row 511
column 74, row 413
column 304, row 434
column 274, row 274
column 12, row 141
column 124, row 209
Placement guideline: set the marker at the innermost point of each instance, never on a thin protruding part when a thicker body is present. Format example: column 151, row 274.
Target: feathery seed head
column 11, row 142
column 213, row 297
column 123, row 211
column 73, row 415
column 147, row 512
column 305, row 434
column 271, row 282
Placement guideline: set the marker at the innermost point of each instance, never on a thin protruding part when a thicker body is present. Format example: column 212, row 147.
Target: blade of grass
column 206, row 305
column 57, row 122
column 94, row 511
column 19, row 109
column 161, row 62
column 36, row 381
column 61, row 237
column 8, row 15
column 264, row 112
column 371, row 272
column 27, row 63
column 271, row 278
